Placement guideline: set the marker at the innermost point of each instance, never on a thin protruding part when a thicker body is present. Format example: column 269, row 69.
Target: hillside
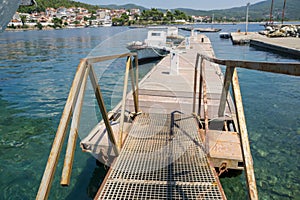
column 43, row 4
column 257, row 12
column 261, row 11
column 126, row 6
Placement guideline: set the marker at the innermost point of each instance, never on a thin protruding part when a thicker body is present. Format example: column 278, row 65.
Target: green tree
column 23, row 19
column 124, row 16
column 180, row 15
column 170, row 15
column 118, row 21
column 136, row 16
column 93, row 17
column 57, row 22
column 39, row 26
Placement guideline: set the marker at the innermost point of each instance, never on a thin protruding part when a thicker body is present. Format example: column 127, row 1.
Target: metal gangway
column 173, row 163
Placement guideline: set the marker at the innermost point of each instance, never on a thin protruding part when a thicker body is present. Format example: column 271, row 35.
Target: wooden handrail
column 128, row 64
column 92, row 60
column 74, row 103
column 289, row 68
column 245, row 145
column 134, row 84
column 48, row 175
column 69, row 156
column 231, row 77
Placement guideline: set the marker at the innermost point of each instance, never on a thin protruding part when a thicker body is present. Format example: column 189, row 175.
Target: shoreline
column 46, row 28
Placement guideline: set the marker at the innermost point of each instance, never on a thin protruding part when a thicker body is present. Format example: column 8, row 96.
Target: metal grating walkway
column 162, row 158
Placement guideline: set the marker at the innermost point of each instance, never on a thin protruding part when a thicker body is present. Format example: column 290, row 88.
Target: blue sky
column 195, row 4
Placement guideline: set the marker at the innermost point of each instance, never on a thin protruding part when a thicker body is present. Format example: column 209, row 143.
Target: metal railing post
column 247, row 158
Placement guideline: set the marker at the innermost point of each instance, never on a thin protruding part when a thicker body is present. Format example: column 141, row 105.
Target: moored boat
column 224, row 35
column 158, row 43
column 203, row 30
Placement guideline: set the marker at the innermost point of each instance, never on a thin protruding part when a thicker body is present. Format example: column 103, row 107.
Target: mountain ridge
column 259, row 11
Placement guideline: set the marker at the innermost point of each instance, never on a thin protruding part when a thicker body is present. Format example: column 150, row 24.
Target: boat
column 106, row 24
column 173, row 36
column 136, row 26
column 203, row 30
column 158, row 43
column 154, row 46
column 224, row 35
column 208, row 30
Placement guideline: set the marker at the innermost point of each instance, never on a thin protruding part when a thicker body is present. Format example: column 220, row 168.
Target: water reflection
column 37, row 69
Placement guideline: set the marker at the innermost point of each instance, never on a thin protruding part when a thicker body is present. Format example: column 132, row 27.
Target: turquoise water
column 37, row 68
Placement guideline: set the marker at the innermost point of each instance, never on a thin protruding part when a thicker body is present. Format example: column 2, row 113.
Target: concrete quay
column 243, row 38
column 290, row 45
column 287, row 45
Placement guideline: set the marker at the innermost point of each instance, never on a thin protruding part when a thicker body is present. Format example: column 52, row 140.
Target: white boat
column 224, row 35
column 158, row 43
column 154, row 46
column 106, row 24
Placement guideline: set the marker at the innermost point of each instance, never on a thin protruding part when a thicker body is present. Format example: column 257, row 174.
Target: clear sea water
column 36, row 72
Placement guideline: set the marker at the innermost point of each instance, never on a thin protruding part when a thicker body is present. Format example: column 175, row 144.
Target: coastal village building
column 78, row 17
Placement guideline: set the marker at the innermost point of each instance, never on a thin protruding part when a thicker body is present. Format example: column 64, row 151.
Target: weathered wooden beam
column 128, row 63
column 69, row 157
column 247, row 158
column 226, row 85
column 137, row 80
column 200, row 87
column 102, row 107
column 92, row 60
column 48, row 175
column 278, row 67
column 195, row 83
column 205, row 104
column 133, row 82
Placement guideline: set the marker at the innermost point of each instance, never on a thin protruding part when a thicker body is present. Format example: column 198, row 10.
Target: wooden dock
column 172, row 135
column 163, row 150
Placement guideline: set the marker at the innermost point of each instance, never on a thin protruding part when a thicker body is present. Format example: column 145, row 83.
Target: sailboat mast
column 282, row 18
column 271, row 12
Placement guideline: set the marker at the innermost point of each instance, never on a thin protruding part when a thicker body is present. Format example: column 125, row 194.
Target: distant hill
column 126, row 6
column 43, row 4
column 257, row 12
column 261, row 11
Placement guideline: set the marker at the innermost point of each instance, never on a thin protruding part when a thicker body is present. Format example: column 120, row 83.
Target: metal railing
column 73, row 110
column 231, row 78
